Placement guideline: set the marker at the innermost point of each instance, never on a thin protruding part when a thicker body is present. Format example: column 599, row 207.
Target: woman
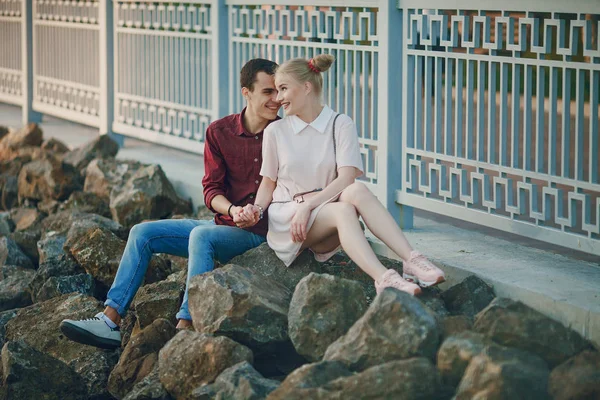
column 311, row 159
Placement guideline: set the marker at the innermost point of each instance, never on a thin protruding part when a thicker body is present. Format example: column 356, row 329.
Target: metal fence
column 487, row 112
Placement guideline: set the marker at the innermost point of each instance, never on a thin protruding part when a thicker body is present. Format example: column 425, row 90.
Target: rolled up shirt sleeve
column 214, row 166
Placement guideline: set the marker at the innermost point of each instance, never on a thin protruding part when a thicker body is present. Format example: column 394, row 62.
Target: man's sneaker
column 422, row 271
column 391, row 278
column 92, row 331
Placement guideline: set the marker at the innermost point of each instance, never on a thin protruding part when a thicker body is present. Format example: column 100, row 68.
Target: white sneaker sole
column 414, row 279
column 83, row 336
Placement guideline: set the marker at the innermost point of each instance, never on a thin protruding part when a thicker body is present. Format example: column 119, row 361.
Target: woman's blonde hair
column 303, row 70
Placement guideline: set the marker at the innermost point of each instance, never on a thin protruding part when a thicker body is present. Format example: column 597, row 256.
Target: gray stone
column 396, row 326
column 158, row 300
column 456, row 353
column 9, row 191
column 513, row 324
column 55, row 267
column 192, row 359
column 455, row 324
column 87, row 203
column 139, row 357
column 500, row 373
column 468, row 297
column 7, row 225
column 103, row 174
column 240, row 382
column 5, row 316
column 235, row 302
column 27, row 242
column 55, row 146
column 95, row 370
column 14, row 282
column 29, row 374
column 58, row 285
column 102, row 146
column 322, row 309
column 149, row 388
column 51, row 247
column 48, row 179
column 577, row 378
column 11, row 254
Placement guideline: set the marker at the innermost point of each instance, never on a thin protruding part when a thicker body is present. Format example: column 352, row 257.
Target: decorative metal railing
column 487, row 112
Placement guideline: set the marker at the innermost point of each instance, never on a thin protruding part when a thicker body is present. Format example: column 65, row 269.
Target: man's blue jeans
column 201, row 241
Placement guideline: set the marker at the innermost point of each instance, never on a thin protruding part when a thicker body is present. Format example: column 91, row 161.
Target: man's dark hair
column 252, row 68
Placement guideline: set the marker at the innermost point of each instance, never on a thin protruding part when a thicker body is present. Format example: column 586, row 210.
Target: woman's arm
column 264, row 196
column 346, row 177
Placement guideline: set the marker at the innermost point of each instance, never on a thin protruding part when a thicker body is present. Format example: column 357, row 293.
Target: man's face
column 262, row 101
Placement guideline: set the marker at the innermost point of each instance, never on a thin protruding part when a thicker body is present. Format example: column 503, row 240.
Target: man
column 232, row 161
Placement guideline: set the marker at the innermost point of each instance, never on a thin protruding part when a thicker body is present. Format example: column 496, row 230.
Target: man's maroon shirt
column 232, row 160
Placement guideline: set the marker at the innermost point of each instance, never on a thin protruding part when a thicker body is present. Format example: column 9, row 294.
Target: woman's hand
column 299, row 223
column 245, row 217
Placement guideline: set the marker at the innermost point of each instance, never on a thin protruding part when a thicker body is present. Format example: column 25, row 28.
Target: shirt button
column 256, row 182
column 251, row 196
column 256, row 137
column 256, row 160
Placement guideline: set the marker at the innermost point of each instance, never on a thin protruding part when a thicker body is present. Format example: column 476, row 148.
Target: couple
column 305, row 184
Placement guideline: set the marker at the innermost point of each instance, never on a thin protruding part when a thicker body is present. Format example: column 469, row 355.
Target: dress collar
column 320, row 123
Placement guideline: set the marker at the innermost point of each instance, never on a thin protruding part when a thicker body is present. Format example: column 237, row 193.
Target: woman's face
column 292, row 94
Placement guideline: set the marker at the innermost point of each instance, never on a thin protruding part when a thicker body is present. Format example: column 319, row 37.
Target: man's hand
column 299, row 223
column 245, row 217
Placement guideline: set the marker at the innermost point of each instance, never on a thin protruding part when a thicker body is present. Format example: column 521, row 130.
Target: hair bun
column 323, row 62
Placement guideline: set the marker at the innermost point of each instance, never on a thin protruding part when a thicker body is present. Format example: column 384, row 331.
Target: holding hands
column 245, row 217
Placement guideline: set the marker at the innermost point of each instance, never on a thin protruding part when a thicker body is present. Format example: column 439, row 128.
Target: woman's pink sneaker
column 392, row 278
column 421, row 271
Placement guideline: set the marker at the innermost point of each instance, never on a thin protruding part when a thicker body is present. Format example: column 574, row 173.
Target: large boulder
column 147, row 195
column 415, row 378
column 103, row 174
column 500, row 373
column 396, row 326
column 87, row 203
column 577, row 378
column 322, row 309
column 192, row 359
column 27, row 242
column 455, row 324
column 235, row 302
column 149, row 388
column 30, row 374
column 158, row 300
column 29, row 136
column 59, row 267
column 14, row 282
column 456, row 353
column 513, row 324
column 95, row 369
column 5, row 316
column 48, row 178
column 58, row 285
column 103, row 146
column 240, row 382
column 468, row 297
column 55, row 146
column 139, row 357
column 51, row 247
column 74, row 223
column 11, row 254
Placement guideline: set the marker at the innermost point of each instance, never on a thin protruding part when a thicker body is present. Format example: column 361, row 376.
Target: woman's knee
column 355, row 193
column 344, row 210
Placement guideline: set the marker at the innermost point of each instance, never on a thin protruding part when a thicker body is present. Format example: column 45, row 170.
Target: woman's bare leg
column 378, row 219
column 342, row 218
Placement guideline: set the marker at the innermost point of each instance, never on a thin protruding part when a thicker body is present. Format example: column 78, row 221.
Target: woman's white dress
column 300, row 157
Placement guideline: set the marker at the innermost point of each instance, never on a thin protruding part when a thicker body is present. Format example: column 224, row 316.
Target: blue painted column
column 220, row 59
column 29, row 115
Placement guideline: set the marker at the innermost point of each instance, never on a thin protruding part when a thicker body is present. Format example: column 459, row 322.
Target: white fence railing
column 486, row 112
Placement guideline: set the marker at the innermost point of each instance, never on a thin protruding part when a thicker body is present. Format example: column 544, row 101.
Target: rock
column 513, row 324
column 55, row 267
column 95, row 370
column 192, row 359
column 27, row 243
column 157, row 300
column 11, row 254
column 577, row 378
column 456, row 353
column 396, row 326
column 237, row 303
column 81, row 223
column 88, row 203
column 204, row 213
column 48, row 179
column 264, row 261
column 240, row 382
column 432, row 298
column 322, row 309
column 29, row 135
column 48, row 207
column 9, row 192
column 468, row 297
column 55, row 146
column 101, row 147
column 5, row 316
column 29, row 374
column 149, row 388
column 57, row 286
column 499, row 373
column 39, row 323
column 147, row 195
column 139, row 357
column 3, row 131
column 26, row 218
column 455, row 324
column 14, row 282
column 415, row 378
column 103, row 174
column 7, row 225
column 51, row 247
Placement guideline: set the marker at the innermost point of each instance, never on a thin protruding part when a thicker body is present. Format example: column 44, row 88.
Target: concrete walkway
column 562, row 283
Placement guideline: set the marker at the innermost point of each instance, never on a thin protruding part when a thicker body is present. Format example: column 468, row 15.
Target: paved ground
column 562, row 283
